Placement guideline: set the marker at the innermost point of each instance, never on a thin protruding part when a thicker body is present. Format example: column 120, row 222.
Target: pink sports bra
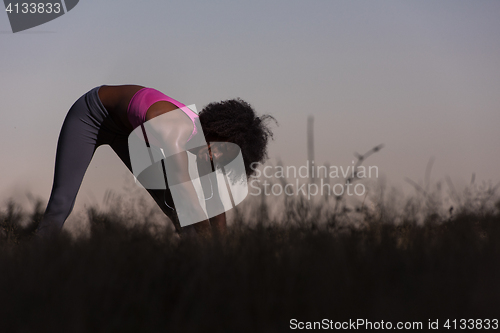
column 142, row 101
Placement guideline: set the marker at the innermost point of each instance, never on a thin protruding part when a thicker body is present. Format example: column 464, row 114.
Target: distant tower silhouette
column 310, row 148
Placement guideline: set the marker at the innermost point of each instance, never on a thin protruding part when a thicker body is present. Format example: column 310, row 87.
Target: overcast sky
column 421, row 77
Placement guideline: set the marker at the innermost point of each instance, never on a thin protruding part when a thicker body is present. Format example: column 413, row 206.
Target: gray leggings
column 87, row 126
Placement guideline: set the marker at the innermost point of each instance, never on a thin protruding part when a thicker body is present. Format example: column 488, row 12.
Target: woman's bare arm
column 170, row 131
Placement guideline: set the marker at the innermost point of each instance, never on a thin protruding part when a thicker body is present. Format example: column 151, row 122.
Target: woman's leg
column 75, row 148
column 120, row 147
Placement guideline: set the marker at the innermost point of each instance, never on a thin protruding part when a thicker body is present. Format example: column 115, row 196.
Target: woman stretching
column 109, row 114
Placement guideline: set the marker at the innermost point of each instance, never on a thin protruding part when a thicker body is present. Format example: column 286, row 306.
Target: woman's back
column 116, row 100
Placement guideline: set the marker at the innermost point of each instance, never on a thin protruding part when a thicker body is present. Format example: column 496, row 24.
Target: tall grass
column 388, row 258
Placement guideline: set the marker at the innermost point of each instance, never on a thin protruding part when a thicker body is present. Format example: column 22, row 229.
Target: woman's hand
column 208, row 228
column 219, row 224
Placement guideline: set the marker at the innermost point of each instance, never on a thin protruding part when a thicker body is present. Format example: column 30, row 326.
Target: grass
column 388, row 260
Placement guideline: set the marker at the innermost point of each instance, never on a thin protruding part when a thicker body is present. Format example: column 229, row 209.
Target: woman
column 109, row 114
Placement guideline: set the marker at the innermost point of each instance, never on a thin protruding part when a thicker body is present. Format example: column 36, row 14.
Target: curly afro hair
column 235, row 121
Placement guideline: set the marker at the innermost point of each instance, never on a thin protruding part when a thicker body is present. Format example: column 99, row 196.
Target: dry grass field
column 410, row 261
